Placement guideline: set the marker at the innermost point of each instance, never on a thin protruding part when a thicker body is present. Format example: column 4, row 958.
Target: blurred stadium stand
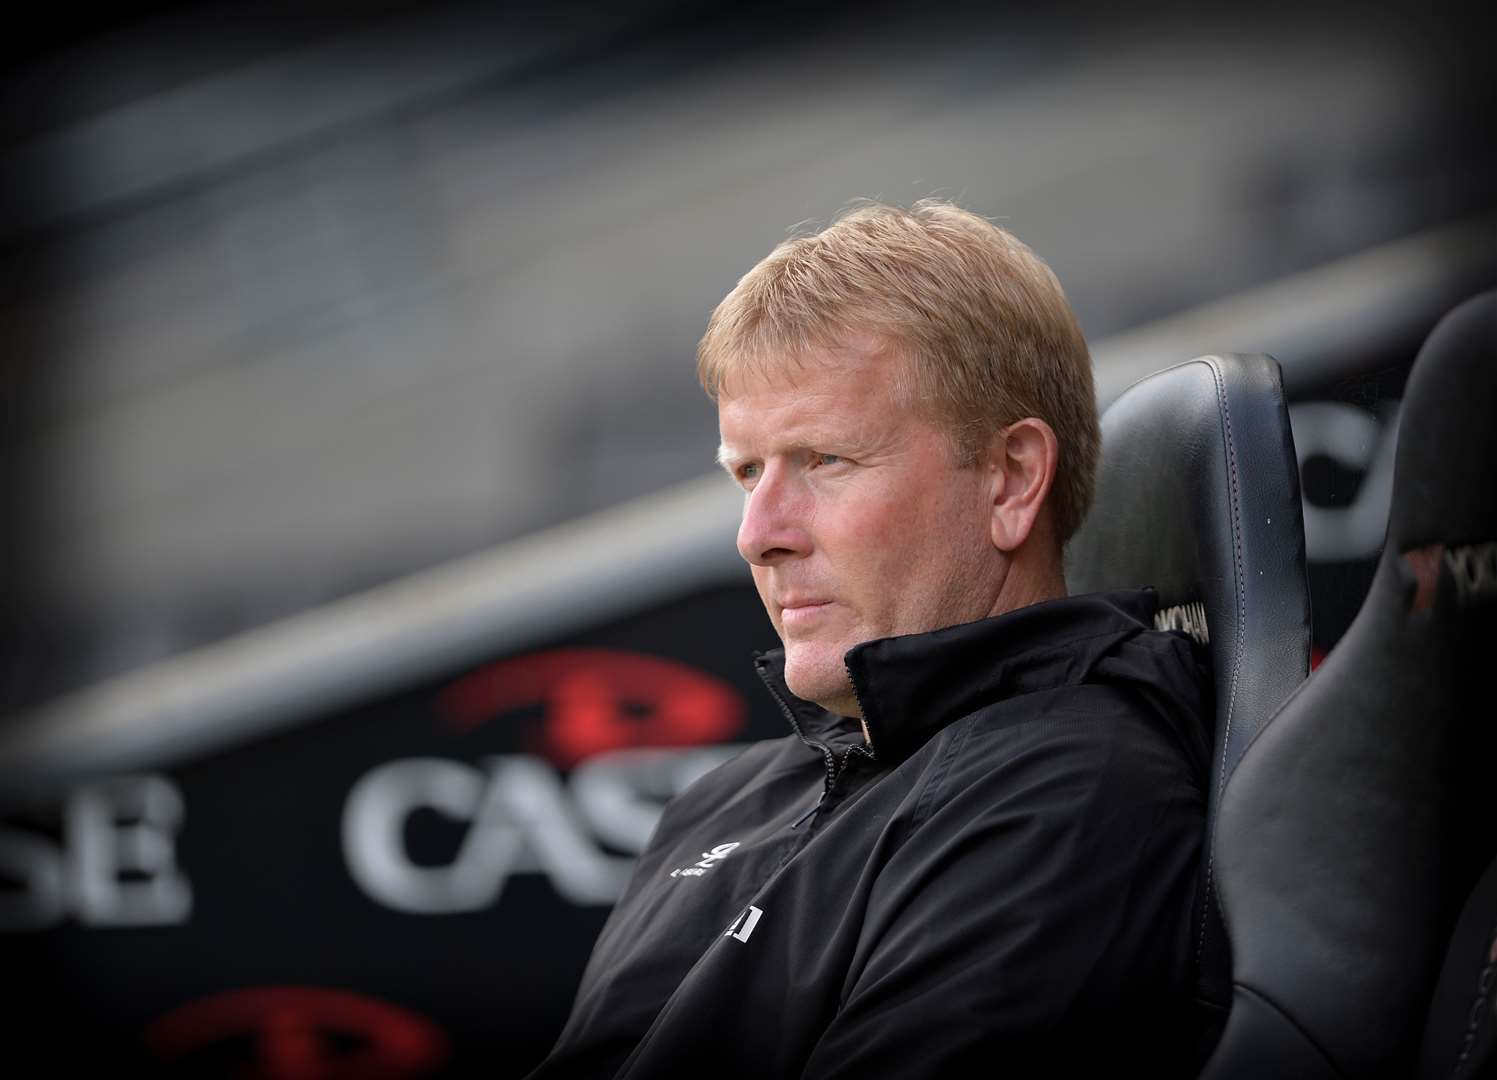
column 355, row 298
column 349, row 370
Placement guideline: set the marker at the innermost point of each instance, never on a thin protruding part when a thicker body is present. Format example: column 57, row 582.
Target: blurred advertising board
column 409, row 887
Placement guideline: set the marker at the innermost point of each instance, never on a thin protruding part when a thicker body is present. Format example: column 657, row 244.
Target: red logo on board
column 600, row 699
column 298, row 1033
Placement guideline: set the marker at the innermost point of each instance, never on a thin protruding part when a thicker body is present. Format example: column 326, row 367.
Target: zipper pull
column 810, row 813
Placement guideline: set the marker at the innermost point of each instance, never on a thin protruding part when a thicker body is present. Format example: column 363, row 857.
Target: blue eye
column 827, row 459
column 748, row 472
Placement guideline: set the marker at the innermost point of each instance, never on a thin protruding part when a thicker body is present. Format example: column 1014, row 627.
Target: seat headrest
column 1198, row 496
column 1445, row 481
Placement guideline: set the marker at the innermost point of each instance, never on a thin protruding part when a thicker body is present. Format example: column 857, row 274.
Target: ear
column 1021, row 461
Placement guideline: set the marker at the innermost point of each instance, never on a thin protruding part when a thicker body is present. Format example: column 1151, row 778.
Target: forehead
column 848, row 394
column 851, row 355
column 844, row 367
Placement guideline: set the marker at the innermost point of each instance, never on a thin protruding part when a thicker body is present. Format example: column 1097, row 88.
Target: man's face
column 857, row 520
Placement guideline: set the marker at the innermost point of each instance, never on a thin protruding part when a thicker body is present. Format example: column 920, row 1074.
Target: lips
column 802, row 611
column 793, row 602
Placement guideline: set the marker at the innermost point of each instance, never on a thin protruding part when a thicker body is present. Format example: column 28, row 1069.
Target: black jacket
column 1001, row 885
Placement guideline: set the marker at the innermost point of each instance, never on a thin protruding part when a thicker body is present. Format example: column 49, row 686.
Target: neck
column 1030, row 580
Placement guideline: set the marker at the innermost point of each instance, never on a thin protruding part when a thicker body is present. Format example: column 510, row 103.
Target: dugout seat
column 1198, row 496
column 1359, row 820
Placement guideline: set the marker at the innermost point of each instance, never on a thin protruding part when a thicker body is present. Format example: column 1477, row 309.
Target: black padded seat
column 1460, row 1038
column 1198, row 496
column 1359, row 820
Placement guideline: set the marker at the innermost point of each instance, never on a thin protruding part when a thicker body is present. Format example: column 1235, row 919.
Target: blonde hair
column 986, row 331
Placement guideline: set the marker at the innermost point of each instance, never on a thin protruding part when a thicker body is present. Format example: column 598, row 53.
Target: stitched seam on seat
column 1478, row 1007
column 1211, row 895
column 1295, row 1024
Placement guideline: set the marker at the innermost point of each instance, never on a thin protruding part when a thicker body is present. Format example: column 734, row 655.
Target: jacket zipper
column 833, row 768
column 867, row 748
column 798, row 822
column 828, row 760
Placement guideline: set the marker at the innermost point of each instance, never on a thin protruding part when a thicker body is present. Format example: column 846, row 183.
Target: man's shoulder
column 1114, row 735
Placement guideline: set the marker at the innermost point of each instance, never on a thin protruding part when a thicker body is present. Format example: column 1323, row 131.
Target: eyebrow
column 726, row 456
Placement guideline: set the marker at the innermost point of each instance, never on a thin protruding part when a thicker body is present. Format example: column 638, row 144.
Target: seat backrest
column 1198, row 496
column 1460, row 1037
column 1358, row 821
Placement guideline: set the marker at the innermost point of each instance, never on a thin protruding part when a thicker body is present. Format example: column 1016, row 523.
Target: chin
column 818, row 678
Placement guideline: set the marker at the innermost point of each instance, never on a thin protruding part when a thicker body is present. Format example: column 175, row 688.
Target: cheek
column 927, row 561
column 882, row 551
column 760, row 575
column 879, row 523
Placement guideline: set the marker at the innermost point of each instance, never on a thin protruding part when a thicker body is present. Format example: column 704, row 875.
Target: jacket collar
column 914, row 685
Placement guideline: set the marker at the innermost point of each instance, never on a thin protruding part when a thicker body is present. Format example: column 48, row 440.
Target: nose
column 776, row 520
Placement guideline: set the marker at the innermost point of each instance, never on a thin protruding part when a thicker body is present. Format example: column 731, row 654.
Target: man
column 976, row 851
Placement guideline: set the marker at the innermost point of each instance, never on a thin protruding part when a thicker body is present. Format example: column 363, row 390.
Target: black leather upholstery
column 1460, row 1039
column 1359, row 820
column 1198, row 495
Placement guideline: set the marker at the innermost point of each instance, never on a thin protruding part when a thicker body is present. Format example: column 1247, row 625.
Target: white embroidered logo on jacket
column 744, row 925
column 709, row 860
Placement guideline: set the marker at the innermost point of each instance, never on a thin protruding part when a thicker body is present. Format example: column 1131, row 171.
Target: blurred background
column 364, row 587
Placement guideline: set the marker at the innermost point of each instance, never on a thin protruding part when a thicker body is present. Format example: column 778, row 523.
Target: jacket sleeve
column 1037, row 917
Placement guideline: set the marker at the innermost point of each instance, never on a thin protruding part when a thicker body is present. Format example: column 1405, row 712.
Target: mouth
column 802, row 613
